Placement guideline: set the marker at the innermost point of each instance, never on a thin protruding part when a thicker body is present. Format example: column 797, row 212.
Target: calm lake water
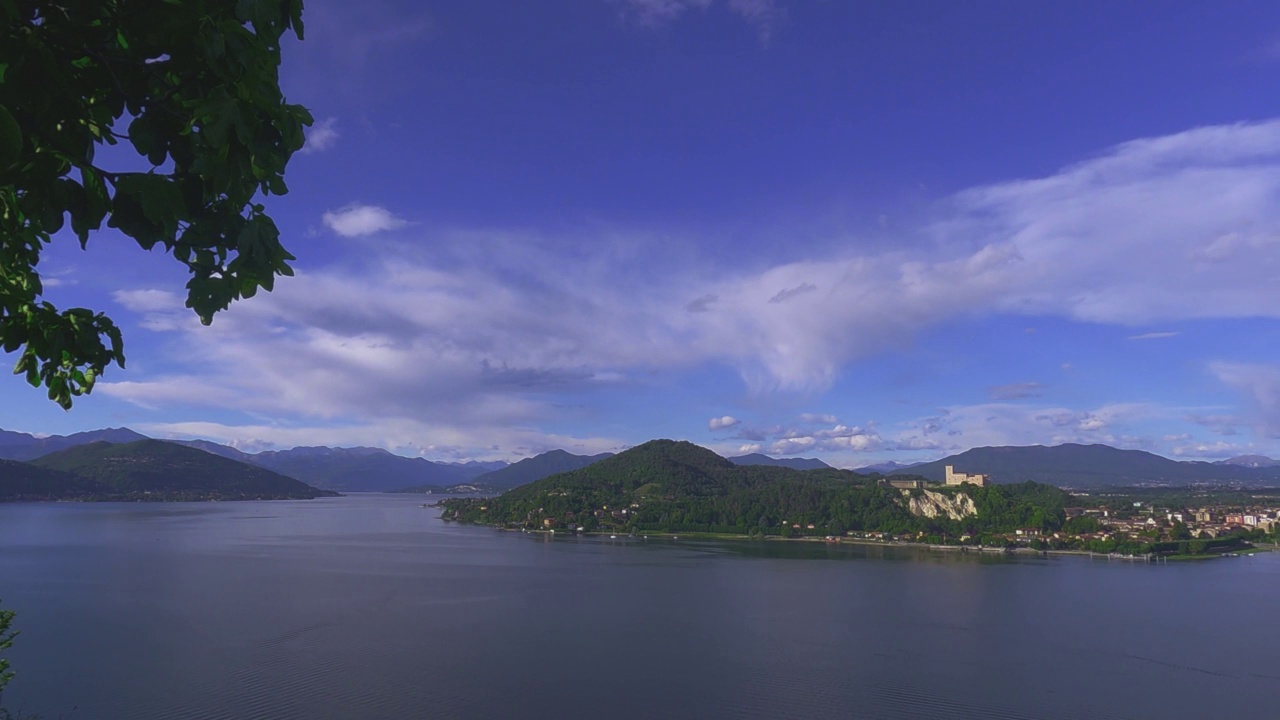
column 370, row 607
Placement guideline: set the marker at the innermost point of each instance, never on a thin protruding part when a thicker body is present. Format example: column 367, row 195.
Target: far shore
column 845, row 540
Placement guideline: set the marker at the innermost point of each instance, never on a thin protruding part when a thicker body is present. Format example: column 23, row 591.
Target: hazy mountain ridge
column 22, row 446
column 362, row 469
column 795, row 463
column 341, row 469
column 886, row 468
column 375, row 469
column 1085, row 466
column 1252, row 461
column 536, row 468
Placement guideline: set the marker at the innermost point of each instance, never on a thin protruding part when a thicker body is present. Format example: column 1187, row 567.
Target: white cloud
column 355, row 220
column 481, row 330
column 1217, row 449
column 1154, row 336
column 720, row 423
column 321, row 136
column 162, row 311
column 838, row 439
column 148, row 300
column 958, row 428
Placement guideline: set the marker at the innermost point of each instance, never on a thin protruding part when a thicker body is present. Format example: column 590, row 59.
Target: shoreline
column 978, row 549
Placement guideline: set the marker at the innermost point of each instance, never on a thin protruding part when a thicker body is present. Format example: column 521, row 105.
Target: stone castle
column 955, row 478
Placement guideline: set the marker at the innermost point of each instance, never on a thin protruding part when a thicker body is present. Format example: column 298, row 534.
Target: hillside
column 1086, row 466
column 23, row 481
column 667, row 486
column 793, row 463
column 158, row 470
column 535, row 468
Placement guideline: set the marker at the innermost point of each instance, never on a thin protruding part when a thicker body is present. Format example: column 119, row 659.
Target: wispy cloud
column 788, row 293
column 355, row 220
column 1218, row 449
column 764, row 15
column 657, row 12
column 1154, row 335
column 961, row 427
column 322, row 136
column 1260, row 385
column 701, row 304
column 346, row 41
column 1015, row 391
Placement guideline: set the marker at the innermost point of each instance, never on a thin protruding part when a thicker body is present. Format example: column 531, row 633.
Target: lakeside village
column 1114, row 523
column 1109, row 523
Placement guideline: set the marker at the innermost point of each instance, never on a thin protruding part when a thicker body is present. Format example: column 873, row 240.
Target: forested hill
column 667, row 486
column 24, row 481
column 1084, row 466
column 158, row 470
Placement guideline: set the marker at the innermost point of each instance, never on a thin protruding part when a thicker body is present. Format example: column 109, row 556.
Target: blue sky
column 854, row 231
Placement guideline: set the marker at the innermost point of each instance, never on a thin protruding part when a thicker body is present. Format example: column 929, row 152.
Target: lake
column 369, row 606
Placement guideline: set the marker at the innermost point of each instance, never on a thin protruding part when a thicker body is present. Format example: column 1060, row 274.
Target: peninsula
column 665, row 486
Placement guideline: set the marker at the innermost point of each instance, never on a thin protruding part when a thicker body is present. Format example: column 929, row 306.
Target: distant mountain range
column 886, row 468
column 341, row 469
column 144, row 470
column 1090, row 466
column 535, row 468
column 21, row 446
column 793, row 463
column 364, row 469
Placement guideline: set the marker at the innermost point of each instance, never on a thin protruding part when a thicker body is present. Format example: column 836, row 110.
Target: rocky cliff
column 932, row 504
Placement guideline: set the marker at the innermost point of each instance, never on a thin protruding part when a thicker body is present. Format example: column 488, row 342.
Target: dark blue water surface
column 369, row 606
